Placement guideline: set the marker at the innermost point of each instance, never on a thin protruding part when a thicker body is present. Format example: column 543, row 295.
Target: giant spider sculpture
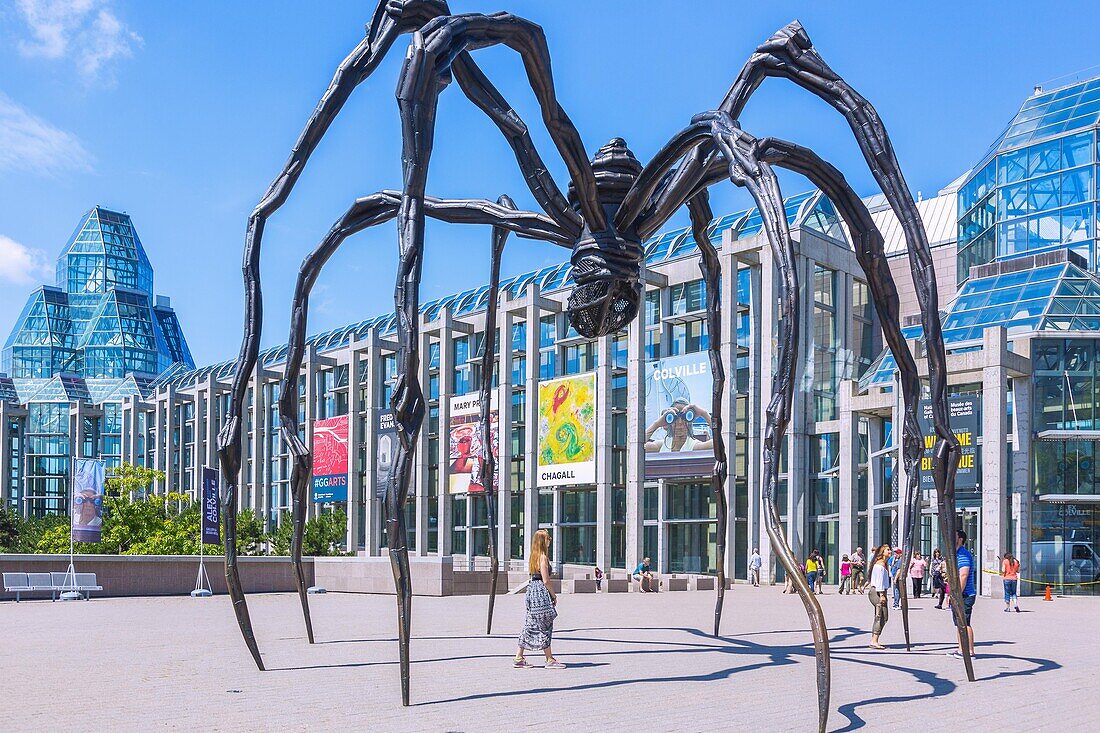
column 613, row 204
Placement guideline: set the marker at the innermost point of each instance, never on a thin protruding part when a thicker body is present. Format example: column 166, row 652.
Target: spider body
column 613, row 204
column 607, row 264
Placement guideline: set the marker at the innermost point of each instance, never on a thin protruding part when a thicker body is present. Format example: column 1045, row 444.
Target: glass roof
column 1074, row 107
column 1059, row 297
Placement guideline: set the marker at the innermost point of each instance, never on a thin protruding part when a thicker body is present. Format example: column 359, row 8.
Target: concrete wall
column 944, row 258
column 431, row 576
column 162, row 575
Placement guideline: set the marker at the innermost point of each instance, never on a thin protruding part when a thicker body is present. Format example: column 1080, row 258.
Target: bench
column 20, row 583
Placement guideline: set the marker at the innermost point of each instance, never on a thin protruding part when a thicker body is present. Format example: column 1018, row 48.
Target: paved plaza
column 637, row 662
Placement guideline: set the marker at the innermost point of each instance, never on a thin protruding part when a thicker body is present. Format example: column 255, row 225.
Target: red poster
column 330, row 459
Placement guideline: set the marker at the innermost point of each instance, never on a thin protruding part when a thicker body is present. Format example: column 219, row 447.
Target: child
column 599, row 578
column 845, row 575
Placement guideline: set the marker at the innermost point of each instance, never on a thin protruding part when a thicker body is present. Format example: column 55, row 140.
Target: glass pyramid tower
column 101, row 319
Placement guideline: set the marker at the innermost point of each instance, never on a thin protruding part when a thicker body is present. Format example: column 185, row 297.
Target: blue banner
column 211, row 507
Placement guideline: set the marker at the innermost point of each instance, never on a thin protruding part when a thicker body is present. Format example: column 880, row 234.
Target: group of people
column 883, row 575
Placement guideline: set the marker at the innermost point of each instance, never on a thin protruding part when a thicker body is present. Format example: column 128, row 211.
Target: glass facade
column 1035, row 189
column 78, row 349
column 101, row 320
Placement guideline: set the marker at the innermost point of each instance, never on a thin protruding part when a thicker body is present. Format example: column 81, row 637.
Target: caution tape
column 1045, row 582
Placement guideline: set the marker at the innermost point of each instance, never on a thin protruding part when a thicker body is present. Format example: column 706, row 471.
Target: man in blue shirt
column 644, row 576
column 968, row 572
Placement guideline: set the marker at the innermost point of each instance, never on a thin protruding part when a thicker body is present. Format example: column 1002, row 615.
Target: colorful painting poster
column 466, row 451
column 87, row 508
column 567, row 431
column 211, row 509
column 330, row 459
column 678, row 394
column 386, row 444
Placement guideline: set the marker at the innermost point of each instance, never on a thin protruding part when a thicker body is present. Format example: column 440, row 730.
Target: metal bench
column 85, row 583
column 17, row 583
column 20, row 583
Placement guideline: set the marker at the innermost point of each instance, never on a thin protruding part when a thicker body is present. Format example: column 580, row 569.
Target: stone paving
column 637, row 662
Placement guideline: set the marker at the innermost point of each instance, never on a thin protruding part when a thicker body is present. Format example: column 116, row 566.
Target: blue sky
column 181, row 113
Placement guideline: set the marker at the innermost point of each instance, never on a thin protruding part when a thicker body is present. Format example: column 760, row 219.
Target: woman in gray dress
column 538, row 624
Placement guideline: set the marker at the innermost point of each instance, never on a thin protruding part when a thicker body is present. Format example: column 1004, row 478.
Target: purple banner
column 211, row 507
column 87, row 507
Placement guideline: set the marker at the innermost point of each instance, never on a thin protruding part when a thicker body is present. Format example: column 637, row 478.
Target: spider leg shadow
column 939, row 686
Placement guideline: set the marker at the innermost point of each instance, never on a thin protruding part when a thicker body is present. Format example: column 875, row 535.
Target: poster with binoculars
column 677, row 411
column 466, row 454
column 87, row 508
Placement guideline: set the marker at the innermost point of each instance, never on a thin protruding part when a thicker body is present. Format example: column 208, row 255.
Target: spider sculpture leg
column 364, row 213
column 871, row 255
column 425, row 73
column 712, row 135
column 488, row 463
column 388, row 23
column 872, row 258
column 701, row 216
column 392, row 18
column 790, row 53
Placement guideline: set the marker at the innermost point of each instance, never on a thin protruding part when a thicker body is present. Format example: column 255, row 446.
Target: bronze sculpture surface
column 613, row 203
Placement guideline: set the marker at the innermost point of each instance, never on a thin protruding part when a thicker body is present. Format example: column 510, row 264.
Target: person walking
column 936, row 566
column 968, row 571
column 917, row 566
column 894, row 566
column 1010, row 572
column 541, row 606
column 755, row 563
column 820, row 573
column 811, row 570
column 859, row 569
column 845, row 576
column 876, row 593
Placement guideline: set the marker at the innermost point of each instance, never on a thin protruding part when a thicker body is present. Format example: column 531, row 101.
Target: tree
column 322, row 535
column 250, row 533
column 9, row 529
column 129, row 480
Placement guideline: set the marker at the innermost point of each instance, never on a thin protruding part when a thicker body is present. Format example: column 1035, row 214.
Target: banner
column 965, row 413
column 567, row 431
column 678, row 393
column 211, row 507
column 87, row 506
column 466, row 452
column 330, row 459
column 386, row 443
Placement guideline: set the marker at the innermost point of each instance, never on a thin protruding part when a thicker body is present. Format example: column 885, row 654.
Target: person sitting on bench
column 644, row 576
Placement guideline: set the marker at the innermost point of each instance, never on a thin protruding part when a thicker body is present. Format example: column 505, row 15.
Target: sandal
column 876, row 646
column 521, row 663
column 554, row 664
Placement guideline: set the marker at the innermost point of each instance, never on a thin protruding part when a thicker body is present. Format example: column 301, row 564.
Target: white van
column 1064, row 561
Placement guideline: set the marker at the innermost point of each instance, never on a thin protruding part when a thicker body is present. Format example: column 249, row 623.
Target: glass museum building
column 625, row 474
column 79, row 348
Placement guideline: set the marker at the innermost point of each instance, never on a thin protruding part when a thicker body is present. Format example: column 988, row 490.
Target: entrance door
column 968, row 520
